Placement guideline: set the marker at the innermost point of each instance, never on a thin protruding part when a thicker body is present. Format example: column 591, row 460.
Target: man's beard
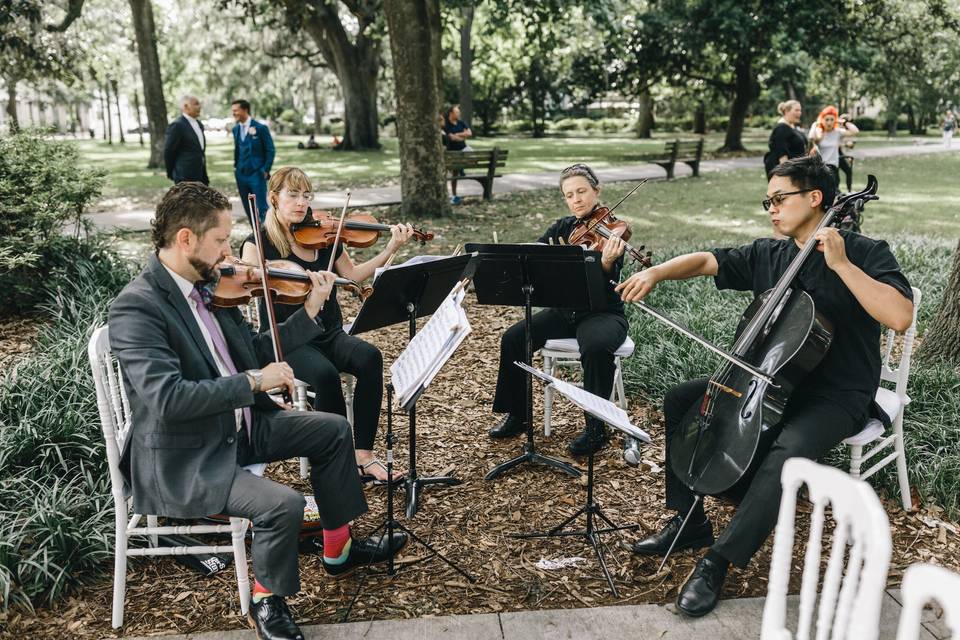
column 208, row 272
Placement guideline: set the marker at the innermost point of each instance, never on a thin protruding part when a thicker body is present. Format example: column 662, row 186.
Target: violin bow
column 336, row 239
column 642, row 182
column 265, row 279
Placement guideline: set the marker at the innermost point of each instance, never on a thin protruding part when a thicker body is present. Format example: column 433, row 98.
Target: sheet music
column 409, row 263
column 594, row 405
column 429, row 350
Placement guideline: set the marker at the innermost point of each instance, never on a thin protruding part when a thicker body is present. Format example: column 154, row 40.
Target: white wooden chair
column 893, row 402
column 849, row 603
column 565, row 352
column 923, row 583
column 115, row 420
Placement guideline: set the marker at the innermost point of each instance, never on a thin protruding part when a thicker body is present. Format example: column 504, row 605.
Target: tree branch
column 74, row 8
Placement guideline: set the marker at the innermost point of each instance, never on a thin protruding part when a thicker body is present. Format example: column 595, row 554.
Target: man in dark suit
column 200, row 413
column 253, row 154
column 185, row 146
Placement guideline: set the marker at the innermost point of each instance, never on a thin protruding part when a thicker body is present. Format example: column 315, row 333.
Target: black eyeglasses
column 778, row 198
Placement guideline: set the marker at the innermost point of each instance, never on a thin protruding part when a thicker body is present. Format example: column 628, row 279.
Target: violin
column 359, row 230
column 288, row 281
column 600, row 224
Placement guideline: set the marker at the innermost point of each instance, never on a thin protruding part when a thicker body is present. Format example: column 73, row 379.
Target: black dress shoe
column 592, row 439
column 701, row 592
column 272, row 620
column 367, row 551
column 694, row 536
column 509, row 426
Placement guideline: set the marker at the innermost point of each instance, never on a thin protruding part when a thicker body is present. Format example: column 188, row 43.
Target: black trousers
column 810, row 427
column 276, row 510
column 846, row 165
column 319, row 364
column 599, row 335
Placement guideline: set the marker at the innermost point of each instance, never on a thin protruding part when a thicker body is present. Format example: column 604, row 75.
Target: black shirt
column 459, row 127
column 562, row 228
column 330, row 316
column 785, row 140
column 852, row 363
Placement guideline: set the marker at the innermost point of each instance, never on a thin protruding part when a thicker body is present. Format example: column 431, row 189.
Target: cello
column 779, row 340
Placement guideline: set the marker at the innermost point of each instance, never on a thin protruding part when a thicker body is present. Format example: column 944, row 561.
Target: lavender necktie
column 214, row 330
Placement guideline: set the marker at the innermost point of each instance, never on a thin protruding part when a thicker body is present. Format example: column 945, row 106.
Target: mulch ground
column 471, row 524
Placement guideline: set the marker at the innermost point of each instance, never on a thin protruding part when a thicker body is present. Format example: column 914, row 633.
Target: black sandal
column 366, row 477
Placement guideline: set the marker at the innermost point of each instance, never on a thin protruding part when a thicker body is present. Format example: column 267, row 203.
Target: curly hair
column 191, row 205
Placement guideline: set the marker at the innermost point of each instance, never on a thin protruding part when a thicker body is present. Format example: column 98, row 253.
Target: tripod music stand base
column 412, row 487
column 530, row 455
column 398, row 526
column 592, row 535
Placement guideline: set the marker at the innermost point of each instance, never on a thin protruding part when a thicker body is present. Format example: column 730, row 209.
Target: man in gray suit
column 200, row 413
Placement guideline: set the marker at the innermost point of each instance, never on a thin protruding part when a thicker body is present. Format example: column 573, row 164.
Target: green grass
column 129, row 178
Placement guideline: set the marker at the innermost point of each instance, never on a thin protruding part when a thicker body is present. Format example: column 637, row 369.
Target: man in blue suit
column 253, row 153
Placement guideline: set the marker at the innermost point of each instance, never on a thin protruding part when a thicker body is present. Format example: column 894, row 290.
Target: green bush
column 55, row 503
column 43, row 190
column 518, row 126
column 664, row 358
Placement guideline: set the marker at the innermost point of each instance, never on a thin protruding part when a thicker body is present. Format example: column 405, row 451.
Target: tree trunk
column 645, row 118
column 152, row 80
column 11, row 82
column 356, row 64
column 116, row 101
column 537, row 98
column 414, row 27
column 941, row 341
column 466, row 65
column 742, row 96
column 136, row 107
column 700, row 119
column 105, row 114
column 317, row 103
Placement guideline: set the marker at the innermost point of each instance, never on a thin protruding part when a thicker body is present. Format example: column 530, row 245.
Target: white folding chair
column 849, row 603
column 923, row 583
column 893, row 402
column 565, row 352
column 115, row 420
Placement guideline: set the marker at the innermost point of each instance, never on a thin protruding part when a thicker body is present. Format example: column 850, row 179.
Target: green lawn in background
column 128, row 179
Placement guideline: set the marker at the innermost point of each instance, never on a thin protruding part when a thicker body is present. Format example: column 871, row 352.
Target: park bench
column 486, row 161
column 687, row 151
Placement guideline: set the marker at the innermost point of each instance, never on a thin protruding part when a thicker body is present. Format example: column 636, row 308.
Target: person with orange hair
column 827, row 135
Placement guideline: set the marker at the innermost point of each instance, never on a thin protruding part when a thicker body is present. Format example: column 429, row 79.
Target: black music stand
column 528, row 275
column 403, row 294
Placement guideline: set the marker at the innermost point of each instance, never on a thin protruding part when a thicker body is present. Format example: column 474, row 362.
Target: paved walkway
column 139, row 220
column 733, row 619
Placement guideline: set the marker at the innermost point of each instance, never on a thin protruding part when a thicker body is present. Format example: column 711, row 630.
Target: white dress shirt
column 197, row 130
column 243, row 128
column 186, row 288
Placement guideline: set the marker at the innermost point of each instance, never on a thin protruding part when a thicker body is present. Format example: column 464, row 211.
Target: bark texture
column 153, row 99
column 466, row 65
column 941, row 341
column 743, row 87
column 414, row 27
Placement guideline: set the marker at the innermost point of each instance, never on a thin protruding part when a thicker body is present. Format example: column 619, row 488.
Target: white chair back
column 898, row 376
column 849, row 603
column 112, row 405
column 923, row 583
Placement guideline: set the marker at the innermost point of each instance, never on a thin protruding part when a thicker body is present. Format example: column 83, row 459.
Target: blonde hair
column 291, row 178
column 787, row 105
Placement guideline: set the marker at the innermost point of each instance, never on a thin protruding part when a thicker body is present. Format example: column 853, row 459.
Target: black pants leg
column 510, row 396
column 599, row 336
column 312, row 365
column 846, row 165
column 363, row 361
column 676, row 404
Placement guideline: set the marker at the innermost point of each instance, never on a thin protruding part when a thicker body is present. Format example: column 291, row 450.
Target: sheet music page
column 430, row 348
column 594, row 405
column 409, row 263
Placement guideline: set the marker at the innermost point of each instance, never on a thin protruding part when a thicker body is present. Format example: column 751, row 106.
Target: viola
column 598, row 226
column 288, row 281
column 360, row 230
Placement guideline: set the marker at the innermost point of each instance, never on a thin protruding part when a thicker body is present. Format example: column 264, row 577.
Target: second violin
column 600, row 224
column 319, row 230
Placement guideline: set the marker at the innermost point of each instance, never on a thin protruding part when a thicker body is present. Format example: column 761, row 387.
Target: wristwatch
column 257, row 376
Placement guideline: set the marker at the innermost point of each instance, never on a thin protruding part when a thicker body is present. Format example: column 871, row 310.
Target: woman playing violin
column 320, row 362
column 599, row 333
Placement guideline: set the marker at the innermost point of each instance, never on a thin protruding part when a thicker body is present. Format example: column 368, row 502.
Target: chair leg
column 618, row 386
column 902, row 463
column 304, row 468
column 240, row 561
column 856, row 453
column 119, row 564
column 348, row 397
column 152, row 523
column 547, row 397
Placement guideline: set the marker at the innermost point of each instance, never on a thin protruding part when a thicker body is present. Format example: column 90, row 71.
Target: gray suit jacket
column 180, row 455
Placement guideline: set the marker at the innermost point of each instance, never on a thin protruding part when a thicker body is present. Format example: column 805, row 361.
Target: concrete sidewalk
column 731, row 620
column 139, row 220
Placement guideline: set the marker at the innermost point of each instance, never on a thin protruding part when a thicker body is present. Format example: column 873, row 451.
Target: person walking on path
column 253, row 154
column 457, row 131
column 949, row 126
column 185, row 146
column 827, row 134
column 786, row 140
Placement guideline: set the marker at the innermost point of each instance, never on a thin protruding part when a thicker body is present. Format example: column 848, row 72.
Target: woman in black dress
column 320, row 362
column 786, row 140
